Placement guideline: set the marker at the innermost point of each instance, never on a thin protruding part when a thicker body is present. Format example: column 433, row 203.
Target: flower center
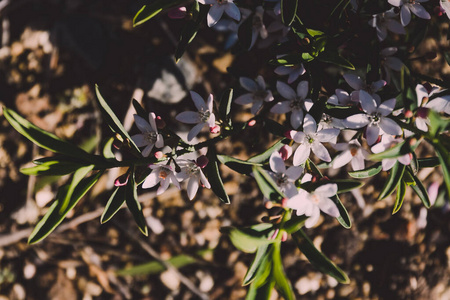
column 151, row 137
column 163, row 174
column 296, row 103
column 315, row 199
column 260, row 95
column 204, row 115
column 309, row 139
column 375, row 118
column 282, row 179
column 220, row 2
column 353, row 150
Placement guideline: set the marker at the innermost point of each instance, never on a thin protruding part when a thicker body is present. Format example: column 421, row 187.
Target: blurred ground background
column 52, row 54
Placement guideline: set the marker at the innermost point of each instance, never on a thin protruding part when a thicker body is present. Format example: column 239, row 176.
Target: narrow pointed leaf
column 156, row 267
column 247, row 239
column 78, row 175
column 257, row 262
column 274, row 127
column 393, row 180
column 115, row 202
column 282, row 284
column 317, row 258
column 54, row 167
column 344, row 218
column 265, row 156
column 140, row 111
column 133, row 204
column 55, row 216
column 264, row 273
column 225, row 106
column 367, row 172
column 107, row 149
column 266, row 184
column 401, row 190
column 428, row 162
column 288, row 11
column 154, row 8
column 262, row 292
column 214, row 178
column 240, row 166
column 334, row 58
column 420, row 190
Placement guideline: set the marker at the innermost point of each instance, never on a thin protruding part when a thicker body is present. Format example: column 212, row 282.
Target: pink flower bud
column 160, row 124
column 202, row 161
column 422, row 112
column 214, row 129
column 159, row 155
column 288, row 134
column 122, row 180
column 251, row 123
column 285, row 152
column 284, row 236
column 408, row 114
column 177, row 13
column 268, row 204
column 438, row 11
column 284, row 202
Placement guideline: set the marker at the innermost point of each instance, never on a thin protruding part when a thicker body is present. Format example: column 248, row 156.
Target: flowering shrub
column 389, row 108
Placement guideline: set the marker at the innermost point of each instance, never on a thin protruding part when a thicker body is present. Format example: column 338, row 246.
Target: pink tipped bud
column 160, row 124
column 285, row 152
column 274, row 235
column 288, row 134
column 177, row 13
column 159, row 155
column 438, row 11
column 422, row 112
column 284, row 236
column 269, row 204
column 412, row 141
column 408, row 114
column 214, row 129
column 251, row 123
column 202, row 161
column 122, row 180
column 284, row 202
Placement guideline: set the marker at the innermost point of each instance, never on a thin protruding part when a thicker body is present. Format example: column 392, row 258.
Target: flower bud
column 159, row 155
column 122, row 180
column 202, row 161
column 288, row 134
column 251, row 123
column 422, row 112
column 285, row 152
column 284, row 236
column 284, row 202
column 160, row 124
column 268, row 204
column 177, row 13
column 438, row 11
column 408, row 114
column 214, row 129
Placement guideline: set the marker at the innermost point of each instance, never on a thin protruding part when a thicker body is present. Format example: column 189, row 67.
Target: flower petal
column 192, row 187
column 298, row 137
column 320, row 151
column 147, row 150
column 277, row 163
column 301, row 154
column 294, row 173
column 209, row 103
column 248, row 84
column 394, row 63
column 296, row 118
column 372, row 133
column 188, row 117
column 233, row 11
column 142, row 124
column 388, row 163
column 256, row 107
column 198, row 101
column 204, row 181
column 286, row 91
column 151, row 180
column 244, row 99
column 139, row 140
column 329, row 207
column 354, row 81
column 281, row 107
column 342, row 159
column 302, row 89
column 309, row 125
column 390, row 127
column 195, row 131
column 358, row 162
column 327, row 190
column 356, row 121
column 420, row 11
column 368, row 103
column 314, row 218
column 405, row 15
column 387, row 107
column 159, row 141
column 214, row 14
column 326, row 135
column 395, row 26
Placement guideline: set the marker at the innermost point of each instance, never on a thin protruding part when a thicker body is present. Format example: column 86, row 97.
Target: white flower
column 258, row 27
column 311, row 139
column 293, row 72
column 284, row 178
column 149, row 136
column 218, row 7
column 386, row 143
column 384, row 22
column 389, row 62
column 192, row 171
column 375, row 118
column 351, row 151
column 310, row 204
column 408, row 6
column 327, row 121
column 341, row 98
column 295, row 103
column 162, row 174
column 358, row 84
column 445, row 4
column 258, row 93
column 277, row 31
column 204, row 116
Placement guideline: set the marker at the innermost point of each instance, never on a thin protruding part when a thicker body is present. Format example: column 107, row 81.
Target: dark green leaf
column 248, row 239
column 344, row 218
column 294, row 223
column 113, row 121
column 346, row 185
column 261, row 252
column 401, row 190
column 414, row 163
column 266, row 184
column 341, row 112
column 214, row 178
column 367, row 172
column 76, row 178
column 262, row 292
column 115, row 202
column 447, row 57
column 225, row 106
column 245, row 32
column 54, row 215
column 396, row 151
column 133, row 204
column 107, row 149
column 333, row 57
column 420, row 190
column 156, row 267
column 428, row 162
column 264, row 157
column 240, row 166
column 317, row 258
column 395, row 175
column 140, row 111
column 288, row 11
column 45, row 139
column 282, row 284
column 54, row 167
column 155, row 7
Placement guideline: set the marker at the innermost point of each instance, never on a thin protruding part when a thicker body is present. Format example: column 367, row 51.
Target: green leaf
column 288, row 11
column 240, row 166
column 261, row 252
column 247, row 239
column 133, row 204
column 266, row 184
column 282, row 284
column 447, row 57
column 346, row 185
column 414, row 163
column 155, row 7
column 45, row 139
column 54, row 215
column 395, row 175
column 115, row 202
column 314, row 33
column 190, row 30
column 344, row 218
column 262, row 292
column 76, row 178
column 214, row 178
column 264, row 157
column 420, row 190
column 113, row 121
column 264, row 273
column 53, row 167
column 334, row 58
column 396, row 151
column 156, row 267
column 225, row 106
column 317, row 258
column 367, row 172
column 294, row 223
column 107, row 149
column 428, row 162
column 400, row 197
column 140, row 111
column 341, row 112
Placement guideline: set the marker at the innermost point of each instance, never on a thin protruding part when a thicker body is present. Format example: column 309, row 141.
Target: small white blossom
column 386, row 143
column 310, row 204
column 384, row 22
column 311, row 139
column 293, row 72
column 258, row 27
column 204, row 116
column 358, row 84
column 408, row 6
column 296, row 102
column 351, row 152
column 390, row 62
column 258, row 93
column 162, row 174
column 149, row 135
column 340, row 98
column 218, row 7
column 375, row 118
column 192, row 171
column 284, row 178
column 445, row 4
